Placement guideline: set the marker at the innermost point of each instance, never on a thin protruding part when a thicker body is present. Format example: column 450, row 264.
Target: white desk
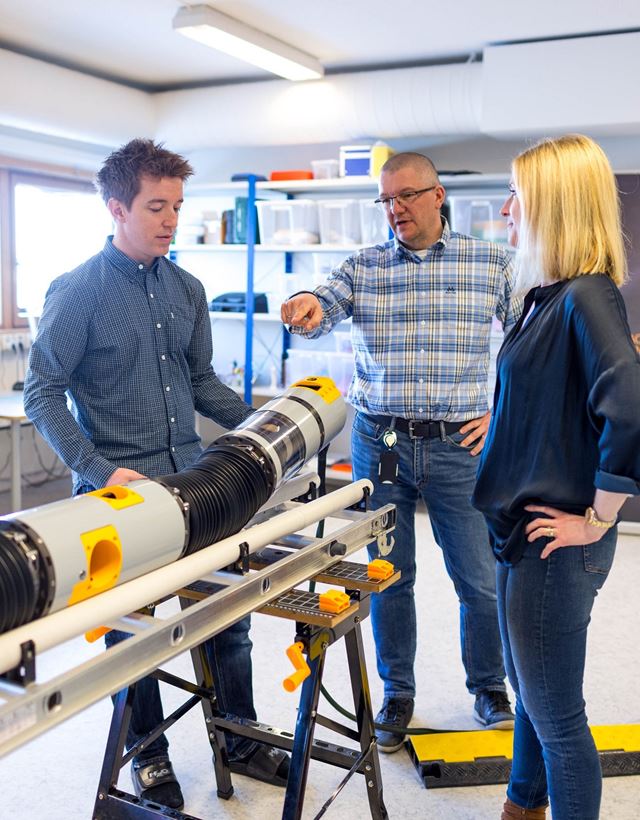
column 12, row 410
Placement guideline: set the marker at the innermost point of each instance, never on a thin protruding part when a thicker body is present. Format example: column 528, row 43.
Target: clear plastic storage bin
column 324, row 264
column 325, row 168
column 339, row 221
column 303, row 363
column 478, row 216
column 294, row 222
column 374, row 227
column 341, row 369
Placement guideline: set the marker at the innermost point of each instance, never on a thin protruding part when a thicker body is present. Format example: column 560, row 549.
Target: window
column 57, row 224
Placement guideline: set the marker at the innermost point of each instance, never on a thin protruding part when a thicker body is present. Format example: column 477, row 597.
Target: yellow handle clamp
column 379, row 570
column 334, row 601
column 294, row 653
column 94, row 635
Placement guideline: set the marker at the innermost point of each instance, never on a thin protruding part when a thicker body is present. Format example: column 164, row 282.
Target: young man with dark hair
column 127, row 336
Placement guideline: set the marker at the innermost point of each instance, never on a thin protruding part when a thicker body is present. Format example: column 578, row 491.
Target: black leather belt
column 421, row 429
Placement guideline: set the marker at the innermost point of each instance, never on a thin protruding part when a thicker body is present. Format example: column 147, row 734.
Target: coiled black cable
column 224, row 489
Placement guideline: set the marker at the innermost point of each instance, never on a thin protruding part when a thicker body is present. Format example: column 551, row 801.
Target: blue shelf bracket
column 250, row 303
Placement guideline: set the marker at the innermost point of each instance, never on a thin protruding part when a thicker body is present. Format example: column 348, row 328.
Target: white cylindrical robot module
column 59, row 554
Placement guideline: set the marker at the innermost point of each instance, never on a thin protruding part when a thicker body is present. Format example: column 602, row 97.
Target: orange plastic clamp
column 294, row 653
column 380, row 570
column 334, row 600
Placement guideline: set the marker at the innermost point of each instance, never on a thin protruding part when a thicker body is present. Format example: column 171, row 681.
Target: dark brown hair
column 121, row 173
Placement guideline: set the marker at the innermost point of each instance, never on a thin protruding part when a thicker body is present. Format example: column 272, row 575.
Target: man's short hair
column 122, row 171
column 410, row 159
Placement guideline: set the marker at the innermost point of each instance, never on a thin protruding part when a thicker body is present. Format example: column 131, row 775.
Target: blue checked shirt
column 421, row 327
column 131, row 346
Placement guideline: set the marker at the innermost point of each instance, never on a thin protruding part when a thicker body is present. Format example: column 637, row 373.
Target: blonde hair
column 570, row 213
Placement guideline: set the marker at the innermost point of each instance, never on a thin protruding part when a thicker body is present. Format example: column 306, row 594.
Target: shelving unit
column 254, row 190
column 472, row 186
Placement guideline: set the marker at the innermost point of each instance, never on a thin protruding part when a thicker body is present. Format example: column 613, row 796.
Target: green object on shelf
column 242, row 220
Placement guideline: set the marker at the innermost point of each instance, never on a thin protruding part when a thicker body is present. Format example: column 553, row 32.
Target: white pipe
column 108, row 606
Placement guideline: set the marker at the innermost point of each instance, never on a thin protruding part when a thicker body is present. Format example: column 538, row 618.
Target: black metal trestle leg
column 364, row 715
column 113, row 753
column 204, row 677
column 303, row 740
column 306, row 723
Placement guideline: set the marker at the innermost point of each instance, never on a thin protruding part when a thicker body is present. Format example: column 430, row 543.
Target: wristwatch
column 591, row 517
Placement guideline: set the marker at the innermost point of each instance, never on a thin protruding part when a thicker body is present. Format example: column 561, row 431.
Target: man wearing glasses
column 422, row 306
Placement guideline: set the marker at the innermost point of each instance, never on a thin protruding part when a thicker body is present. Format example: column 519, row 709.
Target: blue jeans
column 545, row 609
column 443, row 474
column 229, row 655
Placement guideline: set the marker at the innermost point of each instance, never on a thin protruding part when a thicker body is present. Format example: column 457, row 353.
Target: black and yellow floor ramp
column 483, row 757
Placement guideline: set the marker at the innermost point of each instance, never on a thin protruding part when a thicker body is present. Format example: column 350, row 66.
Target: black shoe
column 494, row 710
column 154, row 780
column 395, row 712
column 266, row 763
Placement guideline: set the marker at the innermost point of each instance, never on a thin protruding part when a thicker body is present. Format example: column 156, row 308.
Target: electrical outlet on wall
column 7, row 341
column 11, row 341
column 22, row 340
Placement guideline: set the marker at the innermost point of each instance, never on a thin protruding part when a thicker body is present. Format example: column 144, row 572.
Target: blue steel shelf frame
column 250, row 299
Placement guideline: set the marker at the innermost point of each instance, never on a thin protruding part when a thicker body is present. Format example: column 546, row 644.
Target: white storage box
column 339, row 222
column 478, row 216
column 355, row 160
column 294, row 222
column 342, row 338
column 325, row 168
column 324, row 264
column 302, row 363
column 374, row 227
column 341, row 369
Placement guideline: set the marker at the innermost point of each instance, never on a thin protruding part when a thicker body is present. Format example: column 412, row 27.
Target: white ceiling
column 133, row 41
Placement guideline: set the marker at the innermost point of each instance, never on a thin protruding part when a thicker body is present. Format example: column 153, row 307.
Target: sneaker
column 494, row 710
column 395, row 712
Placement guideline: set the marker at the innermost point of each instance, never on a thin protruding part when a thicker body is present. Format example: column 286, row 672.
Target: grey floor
column 55, row 776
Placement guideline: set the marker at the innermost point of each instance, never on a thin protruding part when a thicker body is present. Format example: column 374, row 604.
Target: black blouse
column 566, row 412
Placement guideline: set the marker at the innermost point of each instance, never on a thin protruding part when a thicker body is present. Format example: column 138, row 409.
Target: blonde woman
column 561, row 456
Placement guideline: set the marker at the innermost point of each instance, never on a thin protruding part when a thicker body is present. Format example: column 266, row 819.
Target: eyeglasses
column 405, row 198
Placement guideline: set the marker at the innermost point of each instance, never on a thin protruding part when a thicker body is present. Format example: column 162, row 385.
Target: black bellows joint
column 224, row 489
column 19, row 584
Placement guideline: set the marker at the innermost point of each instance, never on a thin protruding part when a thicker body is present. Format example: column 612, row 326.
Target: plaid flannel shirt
column 421, row 327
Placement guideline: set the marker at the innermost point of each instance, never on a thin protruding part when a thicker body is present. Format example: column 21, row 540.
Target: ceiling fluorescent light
column 217, row 30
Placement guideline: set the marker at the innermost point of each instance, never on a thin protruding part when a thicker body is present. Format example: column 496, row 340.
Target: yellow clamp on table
column 380, row 570
column 294, row 653
column 334, row 601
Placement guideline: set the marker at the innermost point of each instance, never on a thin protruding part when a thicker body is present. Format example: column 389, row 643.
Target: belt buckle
column 412, row 424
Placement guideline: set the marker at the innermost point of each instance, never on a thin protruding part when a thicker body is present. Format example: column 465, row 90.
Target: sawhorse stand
column 316, row 630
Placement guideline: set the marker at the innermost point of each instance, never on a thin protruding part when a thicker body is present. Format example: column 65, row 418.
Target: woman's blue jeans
column 443, row 474
column 545, row 609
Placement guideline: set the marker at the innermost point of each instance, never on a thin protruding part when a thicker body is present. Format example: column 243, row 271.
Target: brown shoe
column 511, row 811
